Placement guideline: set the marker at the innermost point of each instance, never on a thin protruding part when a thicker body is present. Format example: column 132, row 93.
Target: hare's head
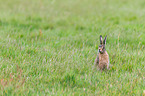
column 102, row 45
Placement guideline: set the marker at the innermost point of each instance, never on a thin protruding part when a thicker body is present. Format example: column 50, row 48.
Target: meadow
column 48, row 47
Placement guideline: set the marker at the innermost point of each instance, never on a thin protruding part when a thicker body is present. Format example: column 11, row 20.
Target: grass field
column 48, row 47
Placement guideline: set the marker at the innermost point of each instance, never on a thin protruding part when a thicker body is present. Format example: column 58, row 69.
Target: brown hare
column 102, row 60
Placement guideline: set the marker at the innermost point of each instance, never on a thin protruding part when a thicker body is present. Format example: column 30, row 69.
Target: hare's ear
column 101, row 42
column 104, row 42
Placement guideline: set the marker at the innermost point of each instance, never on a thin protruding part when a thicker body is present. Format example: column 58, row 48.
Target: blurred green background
column 48, row 47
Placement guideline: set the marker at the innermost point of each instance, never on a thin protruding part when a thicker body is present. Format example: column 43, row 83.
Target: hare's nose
column 99, row 50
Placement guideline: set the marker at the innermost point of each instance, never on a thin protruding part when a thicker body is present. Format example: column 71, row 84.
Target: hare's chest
column 103, row 58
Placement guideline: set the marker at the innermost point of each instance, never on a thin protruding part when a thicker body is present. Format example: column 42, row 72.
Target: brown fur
column 102, row 60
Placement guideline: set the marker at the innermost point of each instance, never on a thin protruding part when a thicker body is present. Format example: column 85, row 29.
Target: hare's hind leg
column 96, row 61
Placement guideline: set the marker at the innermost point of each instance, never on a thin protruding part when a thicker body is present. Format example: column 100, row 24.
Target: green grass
column 48, row 47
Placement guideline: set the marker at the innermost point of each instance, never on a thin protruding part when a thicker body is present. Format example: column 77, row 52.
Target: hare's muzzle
column 100, row 51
